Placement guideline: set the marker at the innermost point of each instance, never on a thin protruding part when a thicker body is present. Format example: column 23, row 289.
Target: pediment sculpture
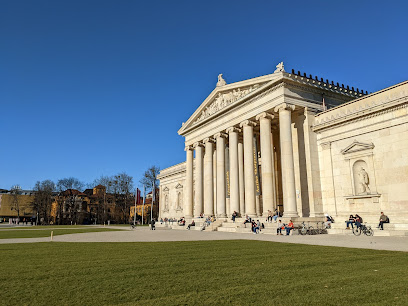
column 224, row 99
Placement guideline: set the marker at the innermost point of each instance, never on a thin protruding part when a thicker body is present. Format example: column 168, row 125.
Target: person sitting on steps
column 289, row 227
column 351, row 221
column 279, row 228
column 190, row 225
column 358, row 221
column 383, row 219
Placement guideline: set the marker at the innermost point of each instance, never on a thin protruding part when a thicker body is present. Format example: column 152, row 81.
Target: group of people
column 256, row 226
column 273, row 216
column 357, row 220
column 282, row 226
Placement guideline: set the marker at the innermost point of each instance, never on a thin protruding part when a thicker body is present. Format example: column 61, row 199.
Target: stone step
column 377, row 232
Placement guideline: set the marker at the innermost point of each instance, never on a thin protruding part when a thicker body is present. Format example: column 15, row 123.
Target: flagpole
column 144, row 197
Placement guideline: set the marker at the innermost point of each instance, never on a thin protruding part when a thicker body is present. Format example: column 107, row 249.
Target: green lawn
column 200, row 273
column 35, row 232
column 44, row 227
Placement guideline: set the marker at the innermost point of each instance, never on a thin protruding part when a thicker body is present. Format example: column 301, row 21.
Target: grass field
column 27, row 227
column 46, row 232
column 200, row 273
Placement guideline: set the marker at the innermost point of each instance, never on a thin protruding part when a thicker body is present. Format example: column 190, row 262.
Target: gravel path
column 145, row 235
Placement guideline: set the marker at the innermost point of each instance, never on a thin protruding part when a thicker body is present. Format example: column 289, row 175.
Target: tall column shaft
column 267, row 167
column 188, row 200
column 208, row 178
column 241, row 178
column 288, row 168
column 199, row 199
column 221, row 198
column 234, row 169
column 248, row 131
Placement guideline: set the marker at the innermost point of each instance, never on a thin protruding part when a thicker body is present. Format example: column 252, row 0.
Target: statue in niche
column 363, row 181
column 221, row 81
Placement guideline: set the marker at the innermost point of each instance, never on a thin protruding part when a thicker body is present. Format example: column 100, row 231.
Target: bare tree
column 150, row 177
column 122, row 184
column 15, row 191
column 151, row 182
column 43, row 199
column 69, row 183
column 103, row 180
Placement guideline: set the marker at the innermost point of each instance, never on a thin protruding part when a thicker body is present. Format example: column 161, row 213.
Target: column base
column 221, row 215
column 292, row 214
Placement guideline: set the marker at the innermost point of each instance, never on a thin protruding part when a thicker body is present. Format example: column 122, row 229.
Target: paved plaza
column 145, row 235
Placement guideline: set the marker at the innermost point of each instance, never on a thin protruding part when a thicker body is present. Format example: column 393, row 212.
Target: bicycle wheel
column 369, row 231
column 311, row 230
column 303, row 231
column 357, row 231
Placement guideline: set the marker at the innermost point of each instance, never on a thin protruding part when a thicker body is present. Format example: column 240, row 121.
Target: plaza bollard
column 52, row 232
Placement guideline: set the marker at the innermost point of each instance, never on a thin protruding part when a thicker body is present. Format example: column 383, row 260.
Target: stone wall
column 363, row 156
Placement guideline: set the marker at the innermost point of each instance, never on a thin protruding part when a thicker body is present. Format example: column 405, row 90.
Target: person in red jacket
column 289, row 227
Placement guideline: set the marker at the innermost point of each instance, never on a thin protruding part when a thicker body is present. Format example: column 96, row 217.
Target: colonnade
column 242, row 177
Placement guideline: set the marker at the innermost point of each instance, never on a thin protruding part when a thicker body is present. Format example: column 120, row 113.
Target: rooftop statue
column 221, row 81
column 279, row 67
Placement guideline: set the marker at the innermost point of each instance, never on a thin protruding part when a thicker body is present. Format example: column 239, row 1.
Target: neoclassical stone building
column 298, row 143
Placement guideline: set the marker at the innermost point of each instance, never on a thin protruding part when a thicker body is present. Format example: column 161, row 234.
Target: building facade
column 288, row 141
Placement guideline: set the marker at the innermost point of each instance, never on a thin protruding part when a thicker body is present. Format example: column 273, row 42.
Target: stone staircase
column 390, row 229
column 337, row 228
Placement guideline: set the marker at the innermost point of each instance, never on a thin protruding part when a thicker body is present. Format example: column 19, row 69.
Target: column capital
column 247, row 123
column 222, row 135
column 233, row 130
column 208, row 139
column 188, row 148
column 284, row 106
column 264, row 115
column 198, row 144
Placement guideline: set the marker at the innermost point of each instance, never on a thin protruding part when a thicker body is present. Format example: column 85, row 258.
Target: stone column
column 267, row 166
column 288, row 168
column 208, row 177
column 199, row 199
column 241, row 179
column 234, row 171
column 248, row 131
column 215, row 181
column 188, row 200
column 221, row 198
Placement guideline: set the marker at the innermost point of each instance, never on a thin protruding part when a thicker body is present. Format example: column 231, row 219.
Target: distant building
column 19, row 205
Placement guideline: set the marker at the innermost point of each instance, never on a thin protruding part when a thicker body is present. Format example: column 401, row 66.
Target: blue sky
column 90, row 88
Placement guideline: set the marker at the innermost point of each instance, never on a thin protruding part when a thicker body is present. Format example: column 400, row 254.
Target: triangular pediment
column 178, row 186
column 224, row 96
column 357, row 146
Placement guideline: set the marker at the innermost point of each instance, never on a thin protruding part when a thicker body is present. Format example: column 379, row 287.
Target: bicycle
column 366, row 229
column 306, row 229
column 322, row 229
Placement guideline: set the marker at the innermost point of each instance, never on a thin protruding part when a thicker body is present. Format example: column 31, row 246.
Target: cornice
column 369, row 111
